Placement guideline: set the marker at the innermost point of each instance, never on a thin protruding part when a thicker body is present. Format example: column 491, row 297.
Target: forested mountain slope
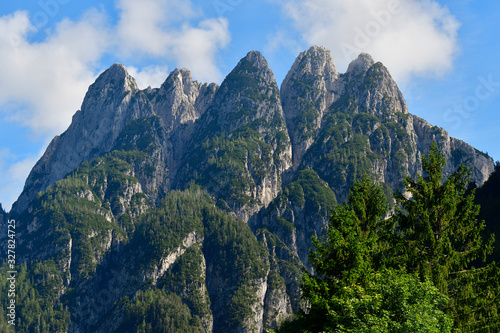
column 191, row 207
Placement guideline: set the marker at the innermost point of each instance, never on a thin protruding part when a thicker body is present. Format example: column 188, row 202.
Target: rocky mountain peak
column 109, row 88
column 256, row 59
column 181, row 100
column 248, row 93
column 180, row 77
column 317, row 61
column 244, row 125
column 179, row 83
column 116, row 70
column 360, row 65
column 309, row 88
column 254, row 67
column 116, row 77
column 372, row 87
column 109, row 104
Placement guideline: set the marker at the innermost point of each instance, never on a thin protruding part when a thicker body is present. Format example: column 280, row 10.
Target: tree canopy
column 440, row 238
column 407, row 271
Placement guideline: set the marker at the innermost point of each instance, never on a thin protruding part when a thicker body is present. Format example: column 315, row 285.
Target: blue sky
column 443, row 54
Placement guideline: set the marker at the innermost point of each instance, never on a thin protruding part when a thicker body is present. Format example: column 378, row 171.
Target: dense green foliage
column 306, row 192
column 186, row 278
column 37, row 308
column 87, row 207
column 74, row 223
column 389, row 301
column 438, row 223
column 352, row 290
column 237, row 260
column 226, row 247
column 226, row 170
column 440, row 237
column 161, row 230
column 410, row 272
column 233, row 256
column 158, row 311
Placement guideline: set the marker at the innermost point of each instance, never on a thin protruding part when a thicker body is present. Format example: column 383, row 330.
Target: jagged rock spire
column 248, row 93
column 309, row 88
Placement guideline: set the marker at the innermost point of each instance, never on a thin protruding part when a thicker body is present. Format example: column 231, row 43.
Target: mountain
column 191, row 207
column 345, row 125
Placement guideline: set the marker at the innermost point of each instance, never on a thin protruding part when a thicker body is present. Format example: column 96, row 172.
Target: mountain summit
column 192, row 205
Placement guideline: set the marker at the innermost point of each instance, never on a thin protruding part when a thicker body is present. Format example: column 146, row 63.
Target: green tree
column 351, row 290
column 440, row 237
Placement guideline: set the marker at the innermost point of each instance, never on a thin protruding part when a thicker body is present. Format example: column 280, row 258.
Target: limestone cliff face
column 115, row 114
column 109, row 105
column 179, row 103
column 456, row 151
column 373, row 88
column 180, row 100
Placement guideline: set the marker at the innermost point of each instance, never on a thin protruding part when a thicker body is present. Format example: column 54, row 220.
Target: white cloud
column 196, row 48
column 408, row 36
column 43, row 83
column 150, row 28
column 152, row 76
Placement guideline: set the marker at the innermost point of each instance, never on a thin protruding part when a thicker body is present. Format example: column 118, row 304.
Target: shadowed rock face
column 148, row 190
column 111, row 104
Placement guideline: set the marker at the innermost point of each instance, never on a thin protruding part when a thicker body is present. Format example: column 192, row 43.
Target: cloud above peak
column 46, row 70
column 43, row 82
column 151, row 28
column 411, row 37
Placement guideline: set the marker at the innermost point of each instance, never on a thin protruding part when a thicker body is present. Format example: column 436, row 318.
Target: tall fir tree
column 440, row 237
column 351, row 290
